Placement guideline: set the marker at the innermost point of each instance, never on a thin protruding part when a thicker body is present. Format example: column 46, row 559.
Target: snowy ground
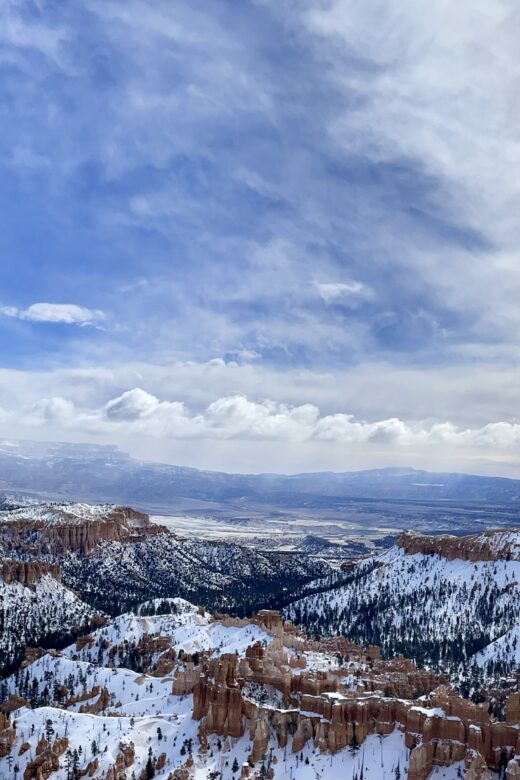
column 506, row 648
column 187, row 630
column 52, row 512
column 87, row 733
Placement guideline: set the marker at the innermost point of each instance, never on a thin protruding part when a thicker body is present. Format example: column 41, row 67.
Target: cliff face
column 64, row 531
column 28, row 573
column 492, row 545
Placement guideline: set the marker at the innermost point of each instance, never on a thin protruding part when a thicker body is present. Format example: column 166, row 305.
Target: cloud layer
column 138, row 413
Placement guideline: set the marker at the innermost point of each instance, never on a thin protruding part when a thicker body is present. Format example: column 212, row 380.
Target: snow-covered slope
column 440, row 612
column 107, row 721
column 55, row 513
column 117, row 575
column 140, row 721
column 187, row 629
column 504, row 651
column 29, row 615
column 85, row 735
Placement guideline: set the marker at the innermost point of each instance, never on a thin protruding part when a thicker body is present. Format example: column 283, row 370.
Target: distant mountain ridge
column 99, row 473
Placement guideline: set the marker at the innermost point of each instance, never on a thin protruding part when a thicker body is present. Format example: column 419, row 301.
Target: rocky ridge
column 440, row 728
column 56, row 529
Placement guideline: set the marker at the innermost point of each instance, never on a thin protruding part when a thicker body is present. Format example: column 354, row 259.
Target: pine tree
column 49, row 731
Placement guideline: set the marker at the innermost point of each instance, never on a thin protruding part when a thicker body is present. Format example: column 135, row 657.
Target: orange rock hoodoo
column 314, row 705
column 70, row 534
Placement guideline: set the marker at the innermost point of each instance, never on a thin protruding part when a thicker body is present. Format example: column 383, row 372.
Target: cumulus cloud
column 55, row 409
column 221, row 200
column 66, row 313
column 132, row 405
column 138, row 412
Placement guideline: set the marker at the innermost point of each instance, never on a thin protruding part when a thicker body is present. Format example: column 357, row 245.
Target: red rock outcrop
column 68, row 532
column 14, row 702
column 27, row 573
column 124, row 759
column 490, row 545
column 219, row 700
column 186, row 679
column 100, row 705
column 7, row 735
column 92, row 767
column 47, row 759
column 513, row 709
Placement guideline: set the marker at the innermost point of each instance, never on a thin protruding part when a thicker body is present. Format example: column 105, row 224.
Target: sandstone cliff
column 28, row 573
column 60, row 531
column 491, row 545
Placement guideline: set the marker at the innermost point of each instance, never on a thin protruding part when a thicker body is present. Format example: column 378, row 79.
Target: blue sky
column 271, row 234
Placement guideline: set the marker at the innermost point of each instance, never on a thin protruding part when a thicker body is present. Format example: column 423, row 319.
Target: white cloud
column 132, row 405
column 442, row 89
column 54, row 409
column 332, row 291
column 66, row 313
column 138, row 413
column 221, row 415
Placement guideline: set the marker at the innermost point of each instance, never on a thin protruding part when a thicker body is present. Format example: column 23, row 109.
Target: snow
column 130, row 692
column 428, row 597
column 378, row 755
column 141, row 704
column 187, row 630
column 142, row 710
column 30, row 614
column 505, row 648
column 52, row 513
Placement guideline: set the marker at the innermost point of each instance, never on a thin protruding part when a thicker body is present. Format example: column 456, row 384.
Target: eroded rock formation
column 440, row 728
column 27, row 573
column 491, row 545
column 67, row 532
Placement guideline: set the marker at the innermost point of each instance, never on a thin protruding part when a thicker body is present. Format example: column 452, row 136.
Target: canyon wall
column 28, row 573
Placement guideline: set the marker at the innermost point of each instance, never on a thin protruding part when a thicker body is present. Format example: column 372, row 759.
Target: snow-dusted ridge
column 187, row 629
column 115, row 557
column 441, row 610
column 56, row 513
column 112, row 722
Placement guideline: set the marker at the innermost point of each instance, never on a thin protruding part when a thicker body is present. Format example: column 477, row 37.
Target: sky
column 263, row 235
